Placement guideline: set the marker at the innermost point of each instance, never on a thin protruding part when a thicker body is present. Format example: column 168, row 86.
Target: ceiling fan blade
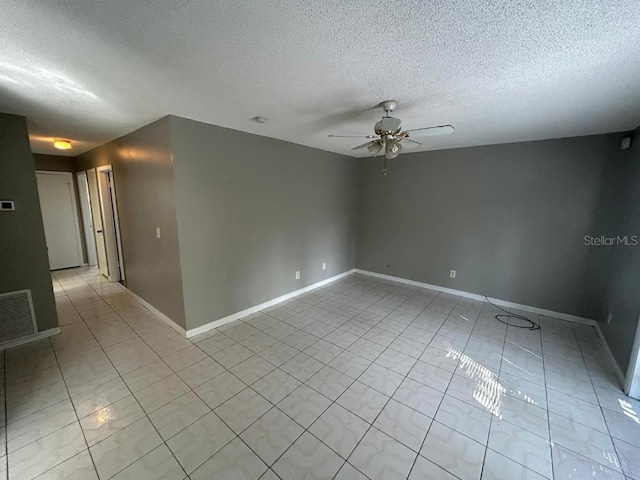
column 431, row 131
column 364, row 145
column 408, row 143
column 352, row 136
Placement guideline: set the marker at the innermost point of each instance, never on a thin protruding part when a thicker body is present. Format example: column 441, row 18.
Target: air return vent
column 16, row 316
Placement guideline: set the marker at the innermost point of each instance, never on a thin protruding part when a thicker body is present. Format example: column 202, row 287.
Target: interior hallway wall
column 251, row 212
column 24, row 263
column 510, row 219
column 143, row 174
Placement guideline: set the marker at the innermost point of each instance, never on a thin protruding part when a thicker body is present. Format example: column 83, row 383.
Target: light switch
column 158, row 232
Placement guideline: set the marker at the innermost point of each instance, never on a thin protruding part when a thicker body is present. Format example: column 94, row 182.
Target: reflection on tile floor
column 363, row 378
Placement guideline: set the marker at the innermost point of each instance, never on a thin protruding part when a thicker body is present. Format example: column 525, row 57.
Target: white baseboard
column 31, row 338
column 504, row 303
column 222, row 321
column 613, row 360
column 155, row 311
column 475, row 296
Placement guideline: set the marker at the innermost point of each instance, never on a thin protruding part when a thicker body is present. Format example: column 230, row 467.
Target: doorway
column 60, row 218
column 96, row 216
column 110, row 223
column 87, row 220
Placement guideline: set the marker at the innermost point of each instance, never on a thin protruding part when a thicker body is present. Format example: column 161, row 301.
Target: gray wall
column 56, row 163
column 623, row 292
column 143, row 174
column 511, row 219
column 23, row 251
column 253, row 210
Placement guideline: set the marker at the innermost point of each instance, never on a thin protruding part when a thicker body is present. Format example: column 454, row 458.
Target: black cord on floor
column 505, row 318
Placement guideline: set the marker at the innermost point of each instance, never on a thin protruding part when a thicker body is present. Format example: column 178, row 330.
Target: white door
column 60, row 217
column 96, row 214
column 110, row 223
column 87, row 221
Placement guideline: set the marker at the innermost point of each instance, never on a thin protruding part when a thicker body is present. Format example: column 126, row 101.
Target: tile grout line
column 544, row 373
column 390, row 397
column 231, row 373
column 445, row 393
column 304, row 430
column 298, row 330
column 248, row 386
column 439, row 403
column 74, row 413
column 548, row 440
column 83, row 320
column 504, row 339
column 6, row 414
column 370, row 425
column 133, row 395
column 613, row 444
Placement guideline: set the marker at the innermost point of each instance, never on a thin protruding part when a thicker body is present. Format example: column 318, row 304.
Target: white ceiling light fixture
column 62, row 144
column 392, row 149
column 389, row 135
column 374, row 148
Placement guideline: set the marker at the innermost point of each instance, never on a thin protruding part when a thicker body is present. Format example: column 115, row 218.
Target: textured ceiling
column 499, row 71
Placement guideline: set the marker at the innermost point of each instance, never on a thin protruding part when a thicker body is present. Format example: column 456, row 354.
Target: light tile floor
column 363, row 378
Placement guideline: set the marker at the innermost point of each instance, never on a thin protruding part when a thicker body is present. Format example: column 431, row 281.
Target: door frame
column 632, row 380
column 87, row 218
column 98, row 221
column 109, row 209
column 74, row 207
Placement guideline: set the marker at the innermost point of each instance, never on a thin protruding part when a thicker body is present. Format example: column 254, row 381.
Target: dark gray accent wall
column 143, row 174
column 251, row 211
column 23, row 251
column 622, row 297
column 56, row 163
column 510, row 219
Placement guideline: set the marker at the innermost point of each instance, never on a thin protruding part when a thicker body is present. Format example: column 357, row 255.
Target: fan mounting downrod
column 389, row 106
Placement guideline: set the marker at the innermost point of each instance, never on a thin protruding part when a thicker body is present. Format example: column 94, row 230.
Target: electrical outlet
column 452, row 274
column 324, row 265
column 158, row 232
column 298, row 275
column 609, row 318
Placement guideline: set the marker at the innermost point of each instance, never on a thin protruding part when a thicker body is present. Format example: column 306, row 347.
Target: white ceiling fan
column 390, row 137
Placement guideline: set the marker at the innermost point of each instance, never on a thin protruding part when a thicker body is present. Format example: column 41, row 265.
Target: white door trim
column 87, row 218
column 111, row 228
column 74, row 207
column 98, row 222
column 632, row 380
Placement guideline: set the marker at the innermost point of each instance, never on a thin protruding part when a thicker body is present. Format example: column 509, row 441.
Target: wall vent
column 17, row 320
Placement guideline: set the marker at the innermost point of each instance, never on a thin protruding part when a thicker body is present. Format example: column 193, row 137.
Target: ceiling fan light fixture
column 392, row 150
column 375, row 148
column 389, row 134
